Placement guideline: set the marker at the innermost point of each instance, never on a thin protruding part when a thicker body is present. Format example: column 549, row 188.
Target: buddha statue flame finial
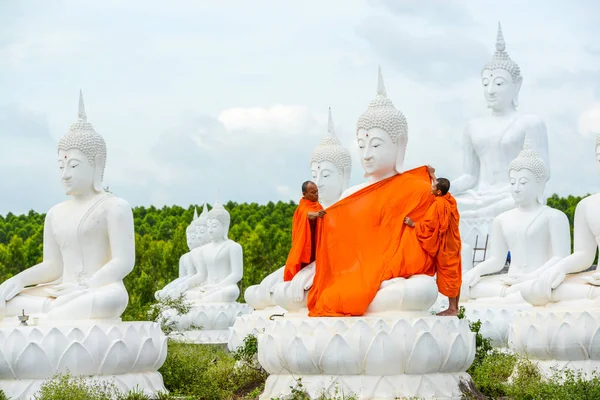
column 83, row 137
column 501, row 59
column 203, row 215
column 597, row 140
column 330, row 149
column 382, row 114
column 529, row 159
column 195, row 213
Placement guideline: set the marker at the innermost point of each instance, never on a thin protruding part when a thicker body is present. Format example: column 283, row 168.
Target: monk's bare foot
column 451, row 312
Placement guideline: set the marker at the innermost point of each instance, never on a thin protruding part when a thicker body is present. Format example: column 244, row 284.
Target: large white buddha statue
column 88, row 242
column 219, row 264
column 490, row 143
column 196, row 235
column 566, row 280
column 536, row 235
column 330, row 166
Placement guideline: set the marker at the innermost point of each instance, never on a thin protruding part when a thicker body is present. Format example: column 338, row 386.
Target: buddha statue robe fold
column 304, row 237
column 439, row 236
column 363, row 242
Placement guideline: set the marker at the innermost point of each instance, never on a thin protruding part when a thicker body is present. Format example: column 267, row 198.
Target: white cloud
column 589, row 120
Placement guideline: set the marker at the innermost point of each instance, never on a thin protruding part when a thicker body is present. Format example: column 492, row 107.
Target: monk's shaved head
column 305, row 186
column 310, row 191
column 443, row 185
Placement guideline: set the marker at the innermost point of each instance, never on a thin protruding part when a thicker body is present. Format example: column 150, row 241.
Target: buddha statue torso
column 88, row 242
column 490, row 143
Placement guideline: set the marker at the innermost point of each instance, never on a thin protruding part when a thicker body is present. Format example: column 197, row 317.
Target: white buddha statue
column 330, row 166
column 219, row 263
column 490, row 143
column 382, row 136
column 565, row 281
column 88, row 242
column 536, row 235
column 196, row 235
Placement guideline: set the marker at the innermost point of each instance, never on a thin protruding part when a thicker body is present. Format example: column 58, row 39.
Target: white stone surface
column 126, row 353
column 253, row 323
column 371, row 357
column 490, row 143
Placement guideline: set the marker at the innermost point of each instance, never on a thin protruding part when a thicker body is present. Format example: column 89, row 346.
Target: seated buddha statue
column 490, row 143
column 88, row 242
column 364, row 261
column 196, row 236
column 219, row 263
column 330, row 166
column 566, row 280
column 536, row 235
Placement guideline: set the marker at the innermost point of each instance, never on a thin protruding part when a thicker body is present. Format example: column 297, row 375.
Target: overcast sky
column 196, row 98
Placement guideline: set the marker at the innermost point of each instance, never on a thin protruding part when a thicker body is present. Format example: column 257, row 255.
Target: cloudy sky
column 196, row 98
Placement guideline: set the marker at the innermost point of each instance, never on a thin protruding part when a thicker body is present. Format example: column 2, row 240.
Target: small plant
column 67, row 387
column 3, row 396
column 483, row 345
column 248, row 352
column 162, row 311
column 135, row 394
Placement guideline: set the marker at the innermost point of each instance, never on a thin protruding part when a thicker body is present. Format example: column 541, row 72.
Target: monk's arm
column 122, row 246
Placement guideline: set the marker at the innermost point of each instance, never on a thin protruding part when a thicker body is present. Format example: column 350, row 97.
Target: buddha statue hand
column 594, row 279
column 66, row 288
column 513, row 279
column 553, row 277
column 10, row 288
column 471, row 278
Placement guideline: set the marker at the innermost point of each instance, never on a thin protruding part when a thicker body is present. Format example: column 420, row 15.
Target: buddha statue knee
column 292, row 296
column 88, row 241
column 261, row 296
column 417, row 293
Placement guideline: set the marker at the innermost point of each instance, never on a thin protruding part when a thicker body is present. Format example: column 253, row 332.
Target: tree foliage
column 264, row 231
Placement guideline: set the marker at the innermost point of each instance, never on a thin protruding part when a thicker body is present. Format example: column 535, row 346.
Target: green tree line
column 264, row 231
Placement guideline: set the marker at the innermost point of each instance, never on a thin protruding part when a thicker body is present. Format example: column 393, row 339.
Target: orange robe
column 300, row 253
column 439, row 236
column 363, row 242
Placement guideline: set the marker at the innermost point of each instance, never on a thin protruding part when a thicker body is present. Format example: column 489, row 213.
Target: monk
column 362, row 243
column 305, row 226
column 439, row 236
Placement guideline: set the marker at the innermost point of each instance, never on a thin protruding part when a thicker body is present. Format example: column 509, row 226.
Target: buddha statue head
column 382, row 135
column 201, row 229
column 528, row 175
column 501, row 78
column 190, row 232
column 218, row 220
column 330, row 166
column 598, row 151
column 82, row 156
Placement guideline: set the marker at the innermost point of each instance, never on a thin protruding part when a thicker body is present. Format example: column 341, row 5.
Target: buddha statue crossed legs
column 490, row 143
column 536, row 235
column 88, row 242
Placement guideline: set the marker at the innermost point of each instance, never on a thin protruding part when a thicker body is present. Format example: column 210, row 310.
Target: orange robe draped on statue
column 363, row 243
column 300, row 253
column 439, row 236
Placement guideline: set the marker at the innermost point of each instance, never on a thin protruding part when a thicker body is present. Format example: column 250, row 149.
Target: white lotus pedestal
column 128, row 354
column 254, row 323
column 558, row 338
column 370, row 357
column 495, row 318
column 208, row 323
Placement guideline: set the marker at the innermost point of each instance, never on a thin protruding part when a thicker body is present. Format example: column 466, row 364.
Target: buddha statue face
column 329, row 180
column 378, row 153
column 216, row 230
column 192, row 237
column 525, row 188
column 598, row 152
column 500, row 92
column 77, row 173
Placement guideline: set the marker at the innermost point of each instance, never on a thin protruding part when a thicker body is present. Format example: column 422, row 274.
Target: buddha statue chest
column 216, row 258
column 82, row 236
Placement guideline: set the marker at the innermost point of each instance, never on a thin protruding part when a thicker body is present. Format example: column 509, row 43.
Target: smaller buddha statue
column 566, row 281
column 88, row 241
column 490, row 143
column 536, row 235
column 219, row 263
column 330, row 166
column 196, row 236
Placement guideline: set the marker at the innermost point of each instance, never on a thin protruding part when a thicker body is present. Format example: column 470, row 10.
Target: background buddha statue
column 490, row 143
column 536, row 235
column 219, row 264
column 196, row 235
column 330, row 166
column 565, row 281
column 88, row 241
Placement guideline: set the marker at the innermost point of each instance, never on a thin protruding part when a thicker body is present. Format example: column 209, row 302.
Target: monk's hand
column 10, row 288
column 312, row 215
column 409, row 222
column 430, row 170
column 321, row 213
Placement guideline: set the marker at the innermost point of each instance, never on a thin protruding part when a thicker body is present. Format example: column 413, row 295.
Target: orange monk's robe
column 439, row 236
column 302, row 238
column 363, row 242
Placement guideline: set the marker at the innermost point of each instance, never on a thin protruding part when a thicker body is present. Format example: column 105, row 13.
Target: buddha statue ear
column 402, row 141
column 515, row 100
column 99, row 163
column 345, row 178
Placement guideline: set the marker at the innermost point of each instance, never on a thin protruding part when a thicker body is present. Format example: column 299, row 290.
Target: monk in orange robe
column 363, row 243
column 439, row 236
column 305, row 230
